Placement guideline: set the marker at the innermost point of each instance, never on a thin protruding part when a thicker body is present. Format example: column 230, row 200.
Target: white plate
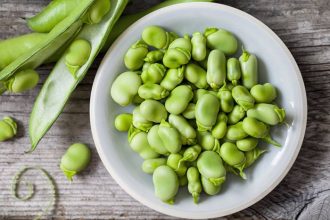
column 276, row 66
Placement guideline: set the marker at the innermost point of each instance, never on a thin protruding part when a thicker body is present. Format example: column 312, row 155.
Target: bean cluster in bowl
column 199, row 114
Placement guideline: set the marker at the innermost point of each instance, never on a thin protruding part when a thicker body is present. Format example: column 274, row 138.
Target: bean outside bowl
column 276, row 65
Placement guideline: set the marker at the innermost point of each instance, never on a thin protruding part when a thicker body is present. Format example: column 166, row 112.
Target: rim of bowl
column 214, row 214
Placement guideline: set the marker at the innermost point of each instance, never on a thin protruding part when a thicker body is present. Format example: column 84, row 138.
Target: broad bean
column 247, row 144
column 154, row 74
column 183, row 180
column 77, row 55
column 226, row 99
column 155, row 141
column 8, row 129
column 233, row 157
column 221, row 39
column 189, row 113
column 209, row 188
column 243, row 97
column 178, row 53
column 173, row 77
column 206, row 112
column 152, row 91
column 170, row 137
column 187, row 132
column 200, row 92
column 174, row 161
column 203, row 63
column 139, row 121
column 249, row 67
column 198, row 42
column 134, row 57
column 265, row 93
column 154, row 56
column 191, row 153
column 22, row 81
column 153, row 110
column 194, row 183
column 236, row 115
column 252, row 156
column 220, row 128
column 157, row 37
column 123, row 121
column 216, row 69
column 179, row 99
column 97, row 11
column 196, row 75
column 236, row 132
column 149, row 165
column 208, row 142
column 233, row 70
column 267, row 113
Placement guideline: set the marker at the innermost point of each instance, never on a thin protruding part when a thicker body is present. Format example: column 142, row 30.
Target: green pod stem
column 233, row 70
column 13, row 48
column 216, row 69
column 125, row 21
column 249, row 67
column 54, row 41
column 50, row 103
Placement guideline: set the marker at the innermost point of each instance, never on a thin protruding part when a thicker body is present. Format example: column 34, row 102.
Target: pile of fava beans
column 199, row 114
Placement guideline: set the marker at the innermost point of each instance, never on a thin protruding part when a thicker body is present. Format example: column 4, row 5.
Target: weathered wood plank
column 303, row 25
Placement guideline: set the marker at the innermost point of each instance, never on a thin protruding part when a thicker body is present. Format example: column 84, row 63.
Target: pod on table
column 198, row 42
column 173, row 78
column 97, row 11
column 209, row 188
column 166, row 183
column 196, row 75
column 178, row 53
column 22, row 81
column 243, row 97
column 179, row 99
column 253, row 155
column 75, row 159
column 8, row 128
column 173, row 161
column 249, row 67
column 154, row 56
column 187, row 132
column 208, row 142
column 206, row 112
column 236, row 115
column 77, row 55
column 216, row 69
column 221, row 39
column 153, row 110
column 125, row 87
column 191, row 153
column 134, row 57
column 265, row 93
column 149, row 165
column 123, row 121
column 170, row 137
column 138, row 141
column 210, row 166
column 236, row 132
column 247, row 144
column 139, row 121
column 154, row 74
column 267, row 113
column 156, row 142
column 13, row 48
column 194, row 183
column 189, row 113
column 258, row 129
column 157, row 37
column 233, row 70
column 152, row 91
column 220, row 128
column 233, row 157
column 226, row 99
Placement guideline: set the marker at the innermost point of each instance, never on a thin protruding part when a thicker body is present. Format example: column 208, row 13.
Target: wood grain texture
column 303, row 25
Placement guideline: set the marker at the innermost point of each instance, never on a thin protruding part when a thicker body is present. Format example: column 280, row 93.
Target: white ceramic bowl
column 276, row 65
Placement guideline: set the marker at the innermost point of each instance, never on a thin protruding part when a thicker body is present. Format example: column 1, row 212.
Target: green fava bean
column 170, row 137
column 179, row 99
column 22, row 81
column 123, row 122
column 236, row 115
column 196, row 75
column 258, row 129
column 8, row 129
column 153, row 111
column 210, row 166
column 243, row 97
column 208, row 142
column 200, row 92
column 252, row 156
column 216, row 69
column 134, row 57
column 149, row 165
column 265, row 93
column 154, row 56
column 75, row 159
column 203, row 63
column 222, row 40
column 97, row 11
column 206, row 112
column 138, row 141
column 155, row 141
column 157, row 37
column 77, row 55
column 125, row 87
column 152, row 91
column 178, row 53
column 249, row 67
column 233, row 157
column 166, row 183
column 137, row 99
column 189, row 113
column 146, row 66
column 267, row 113
column 220, row 128
column 198, row 42
column 194, row 183
column 173, row 77
column 233, row 70
column 236, row 132
column 183, row 180
column 187, row 132
column 226, row 99
column 173, row 161
column 247, row 144
column 154, row 73
column 209, row 188
column 191, row 153
column 139, row 121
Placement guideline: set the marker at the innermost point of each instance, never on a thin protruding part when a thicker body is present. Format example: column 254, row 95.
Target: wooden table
column 303, row 25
